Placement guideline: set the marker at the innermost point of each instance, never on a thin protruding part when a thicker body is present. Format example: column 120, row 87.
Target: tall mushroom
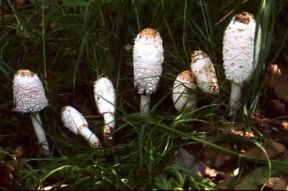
column 204, row 72
column 76, row 123
column 240, row 54
column 104, row 94
column 29, row 97
column 182, row 95
column 147, row 62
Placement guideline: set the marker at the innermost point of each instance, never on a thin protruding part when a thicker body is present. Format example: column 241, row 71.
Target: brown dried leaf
column 276, row 183
column 276, row 107
column 262, row 122
column 274, row 69
column 253, row 180
column 18, row 152
column 19, row 3
column 57, row 186
column 284, row 125
column 6, row 175
column 247, row 134
column 273, row 149
column 188, row 161
column 216, row 158
column 277, row 80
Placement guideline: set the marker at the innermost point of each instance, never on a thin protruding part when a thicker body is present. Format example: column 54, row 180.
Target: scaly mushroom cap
column 204, row 72
column 28, row 92
column 73, row 119
column 147, row 60
column 182, row 95
column 238, row 48
column 104, row 94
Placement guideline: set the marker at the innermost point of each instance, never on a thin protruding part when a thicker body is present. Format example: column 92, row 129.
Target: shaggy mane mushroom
column 240, row 54
column 147, row 63
column 105, row 99
column 29, row 97
column 182, row 94
column 76, row 123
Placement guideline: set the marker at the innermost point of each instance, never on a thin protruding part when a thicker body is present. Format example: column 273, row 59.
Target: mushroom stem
column 108, row 130
column 234, row 98
column 145, row 104
column 37, row 125
column 89, row 136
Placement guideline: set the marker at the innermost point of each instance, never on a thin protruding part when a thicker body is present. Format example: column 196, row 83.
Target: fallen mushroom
column 147, row 62
column 182, row 95
column 240, row 58
column 204, row 72
column 29, row 97
column 104, row 94
column 76, row 123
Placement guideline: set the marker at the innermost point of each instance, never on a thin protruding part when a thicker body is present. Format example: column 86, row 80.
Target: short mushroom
column 204, row 72
column 29, row 97
column 147, row 63
column 105, row 99
column 76, row 123
column 183, row 95
column 239, row 56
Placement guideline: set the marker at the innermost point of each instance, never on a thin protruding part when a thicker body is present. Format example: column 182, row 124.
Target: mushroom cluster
column 241, row 47
column 201, row 75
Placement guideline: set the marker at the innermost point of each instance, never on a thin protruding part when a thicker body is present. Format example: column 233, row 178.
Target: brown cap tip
column 195, row 55
column 148, row 32
column 244, row 17
column 25, row 72
column 187, row 75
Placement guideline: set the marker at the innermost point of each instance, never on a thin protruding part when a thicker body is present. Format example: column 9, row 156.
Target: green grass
column 70, row 44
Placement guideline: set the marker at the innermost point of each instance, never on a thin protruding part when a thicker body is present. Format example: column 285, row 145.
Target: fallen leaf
column 277, row 80
column 57, row 186
column 247, row 134
column 284, row 125
column 216, row 158
column 19, row 3
column 276, row 183
column 253, row 180
column 276, row 107
column 263, row 123
column 272, row 149
column 274, row 69
column 188, row 161
column 6, row 175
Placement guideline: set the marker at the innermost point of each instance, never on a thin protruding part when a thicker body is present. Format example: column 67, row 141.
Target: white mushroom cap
column 147, row 60
column 28, row 92
column 104, row 94
column 75, row 122
column 238, row 48
column 204, row 72
column 72, row 119
column 182, row 95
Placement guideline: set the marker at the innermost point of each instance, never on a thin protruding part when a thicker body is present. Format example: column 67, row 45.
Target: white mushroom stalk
column 240, row 54
column 147, row 62
column 183, row 95
column 76, row 123
column 204, row 72
column 104, row 94
column 29, row 97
